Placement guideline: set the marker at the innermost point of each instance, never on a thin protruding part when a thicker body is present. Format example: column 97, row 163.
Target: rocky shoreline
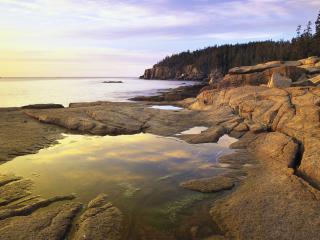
column 273, row 177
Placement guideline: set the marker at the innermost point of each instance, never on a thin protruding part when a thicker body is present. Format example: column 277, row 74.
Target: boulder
column 279, row 81
column 213, row 184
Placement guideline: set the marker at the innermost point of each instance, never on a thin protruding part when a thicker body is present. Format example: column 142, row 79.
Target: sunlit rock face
column 299, row 72
column 291, row 111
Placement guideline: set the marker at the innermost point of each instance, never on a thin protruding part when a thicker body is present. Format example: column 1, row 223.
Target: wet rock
column 207, row 185
column 52, row 223
column 100, row 221
column 5, row 179
column 20, row 134
column 15, row 190
column 28, row 206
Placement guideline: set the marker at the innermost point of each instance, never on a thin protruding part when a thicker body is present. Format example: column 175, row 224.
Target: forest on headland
column 306, row 43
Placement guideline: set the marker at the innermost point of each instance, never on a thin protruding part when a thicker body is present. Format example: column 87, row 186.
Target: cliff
column 205, row 64
column 188, row 72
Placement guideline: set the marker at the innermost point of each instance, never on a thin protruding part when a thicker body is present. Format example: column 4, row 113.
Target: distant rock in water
column 207, row 185
column 43, row 106
column 112, row 82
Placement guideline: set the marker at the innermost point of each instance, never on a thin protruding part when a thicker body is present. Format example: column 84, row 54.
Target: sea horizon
column 17, row 92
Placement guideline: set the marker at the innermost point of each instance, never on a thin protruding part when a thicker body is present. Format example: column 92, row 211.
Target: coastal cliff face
column 188, row 72
column 299, row 72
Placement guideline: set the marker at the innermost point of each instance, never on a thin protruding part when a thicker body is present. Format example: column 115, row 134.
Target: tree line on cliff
column 305, row 44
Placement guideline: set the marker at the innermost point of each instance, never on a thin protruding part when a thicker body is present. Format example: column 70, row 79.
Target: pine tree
column 317, row 24
column 307, row 33
column 316, row 39
column 299, row 31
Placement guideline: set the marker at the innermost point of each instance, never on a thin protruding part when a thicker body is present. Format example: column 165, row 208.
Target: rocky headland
column 272, row 186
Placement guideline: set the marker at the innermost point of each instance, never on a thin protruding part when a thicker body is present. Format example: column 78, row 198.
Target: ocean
column 16, row 92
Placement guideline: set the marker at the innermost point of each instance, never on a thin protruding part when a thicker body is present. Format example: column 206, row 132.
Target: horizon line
column 74, row 77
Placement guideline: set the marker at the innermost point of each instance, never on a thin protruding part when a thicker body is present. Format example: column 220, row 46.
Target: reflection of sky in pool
column 167, row 107
column 194, row 130
column 130, row 169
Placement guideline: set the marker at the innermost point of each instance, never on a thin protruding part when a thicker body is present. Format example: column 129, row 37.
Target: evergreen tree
column 299, row 31
column 317, row 24
column 227, row 56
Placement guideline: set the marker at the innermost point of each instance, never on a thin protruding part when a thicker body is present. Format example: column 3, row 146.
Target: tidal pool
column 140, row 173
column 167, row 107
column 194, row 130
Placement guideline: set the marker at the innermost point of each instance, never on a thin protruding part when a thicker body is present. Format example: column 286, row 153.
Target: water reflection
column 194, row 130
column 141, row 173
column 167, row 107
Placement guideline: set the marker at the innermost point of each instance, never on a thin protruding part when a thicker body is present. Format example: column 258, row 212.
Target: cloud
column 139, row 31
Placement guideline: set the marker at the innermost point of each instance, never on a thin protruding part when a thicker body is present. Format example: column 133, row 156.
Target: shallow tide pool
column 166, row 107
column 140, row 173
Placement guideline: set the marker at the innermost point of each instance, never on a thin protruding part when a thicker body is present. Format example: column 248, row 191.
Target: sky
column 57, row 38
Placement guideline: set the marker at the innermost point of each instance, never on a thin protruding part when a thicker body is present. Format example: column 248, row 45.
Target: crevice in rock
column 308, row 180
column 299, row 156
column 298, row 161
column 73, row 223
column 7, row 213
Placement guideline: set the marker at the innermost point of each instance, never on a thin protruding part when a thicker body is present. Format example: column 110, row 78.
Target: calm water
column 19, row 92
column 140, row 173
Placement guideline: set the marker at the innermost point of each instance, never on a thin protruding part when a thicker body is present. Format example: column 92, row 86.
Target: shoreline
column 84, row 90
column 259, row 165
